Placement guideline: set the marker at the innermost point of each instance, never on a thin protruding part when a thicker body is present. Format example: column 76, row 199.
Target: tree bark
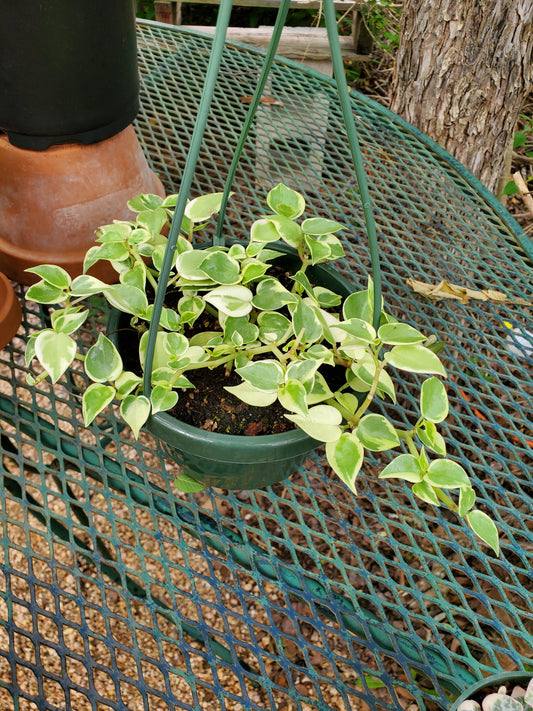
column 462, row 72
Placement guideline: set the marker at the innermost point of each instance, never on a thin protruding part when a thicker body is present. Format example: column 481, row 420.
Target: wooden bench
column 308, row 45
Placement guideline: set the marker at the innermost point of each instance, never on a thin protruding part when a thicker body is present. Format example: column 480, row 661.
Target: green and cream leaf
column 322, row 422
column 126, row 382
column 434, row 400
column 55, row 352
column 135, row 409
column 285, row 201
column 153, row 220
column 320, row 226
column 426, row 493
column 345, row 456
column 86, row 285
column 415, row 359
column 447, row 474
column 52, row 275
column 376, row 433
column 69, row 320
column 430, row 437
column 187, row 484
column 263, row 374
column 231, row 300
column 404, row 466
column 44, row 293
column 264, row 231
column 128, row 299
column 399, row 334
column 202, row 208
column 253, row 396
column 293, row 397
column 289, row 231
column 484, row 527
column 103, row 362
column 163, row 399
column 221, row 268
column 95, row 399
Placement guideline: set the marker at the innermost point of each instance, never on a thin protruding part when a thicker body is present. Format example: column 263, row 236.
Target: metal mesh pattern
column 117, row 592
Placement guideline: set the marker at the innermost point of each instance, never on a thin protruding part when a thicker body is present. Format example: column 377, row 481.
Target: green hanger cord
column 196, row 143
column 351, row 132
column 213, row 67
column 186, row 182
column 355, row 150
column 258, row 93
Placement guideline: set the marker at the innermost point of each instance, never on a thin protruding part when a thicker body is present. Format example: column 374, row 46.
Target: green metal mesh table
column 118, row 592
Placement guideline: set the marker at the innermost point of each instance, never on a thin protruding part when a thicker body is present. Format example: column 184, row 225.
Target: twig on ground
column 524, row 192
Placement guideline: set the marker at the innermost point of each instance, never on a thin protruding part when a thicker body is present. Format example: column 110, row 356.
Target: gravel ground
column 75, row 578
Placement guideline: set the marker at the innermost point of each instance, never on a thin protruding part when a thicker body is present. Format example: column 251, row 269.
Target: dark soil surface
column 210, row 407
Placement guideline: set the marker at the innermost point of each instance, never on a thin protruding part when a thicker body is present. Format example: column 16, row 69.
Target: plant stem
column 221, row 361
column 339, row 360
column 407, row 436
column 72, row 304
column 279, row 355
column 149, row 275
column 292, row 353
column 297, row 288
column 210, row 309
column 446, row 500
column 39, row 378
column 370, row 396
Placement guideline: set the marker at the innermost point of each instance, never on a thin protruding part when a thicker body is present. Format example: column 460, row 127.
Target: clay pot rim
column 72, row 146
column 38, row 256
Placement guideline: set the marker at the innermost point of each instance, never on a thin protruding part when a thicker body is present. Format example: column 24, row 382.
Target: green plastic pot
column 230, row 461
column 478, row 690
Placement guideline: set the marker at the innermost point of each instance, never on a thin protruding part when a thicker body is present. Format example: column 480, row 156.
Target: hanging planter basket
column 278, row 352
column 223, row 460
column 234, row 461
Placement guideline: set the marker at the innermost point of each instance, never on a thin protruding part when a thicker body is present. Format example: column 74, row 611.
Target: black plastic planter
column 69, row 71
column 231, row 461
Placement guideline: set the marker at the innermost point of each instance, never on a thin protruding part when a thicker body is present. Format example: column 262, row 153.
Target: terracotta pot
column 52, row 201
column 10, row 311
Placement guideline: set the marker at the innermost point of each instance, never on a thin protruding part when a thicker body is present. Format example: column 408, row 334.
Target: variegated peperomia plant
column 277, row 337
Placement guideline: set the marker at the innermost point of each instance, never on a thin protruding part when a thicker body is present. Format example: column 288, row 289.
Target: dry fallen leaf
column 253, row 429
column 262, row 100
column 445, row 290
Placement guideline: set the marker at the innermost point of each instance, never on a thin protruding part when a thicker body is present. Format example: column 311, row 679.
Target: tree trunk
column 462, row 72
